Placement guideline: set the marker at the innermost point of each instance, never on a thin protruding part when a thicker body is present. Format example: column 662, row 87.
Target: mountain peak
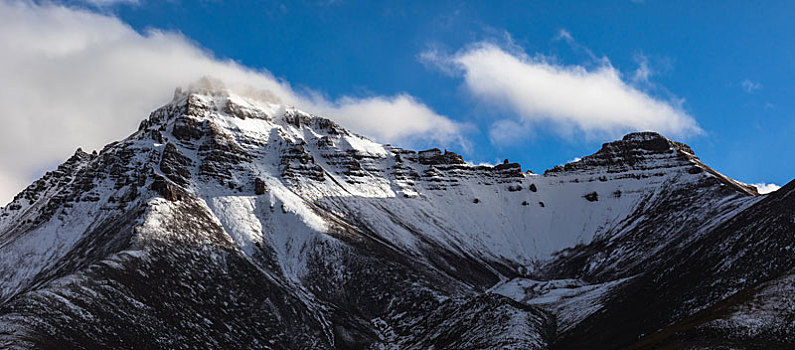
column 646, row 141
column 643, row 135
column 289, row 211
column 645, row 150
column 644, row 154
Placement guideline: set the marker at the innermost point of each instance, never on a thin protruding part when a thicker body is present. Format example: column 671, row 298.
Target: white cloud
column 400, row 117
column 74, row 78
column 764, row 188
column 108, row 3
column 597, row 101
column 564, row 35
column 509, row 131
column 750, row 86
column 643, row 73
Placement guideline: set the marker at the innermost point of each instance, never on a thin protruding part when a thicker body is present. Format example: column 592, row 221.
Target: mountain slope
column 227, row 221
column 729, row 288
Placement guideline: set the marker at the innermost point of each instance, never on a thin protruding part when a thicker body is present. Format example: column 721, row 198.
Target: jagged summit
column 648, row 140
column 209, row 142
column 228, row 213
column 643, row 136
column 647, row 153
column 636, row 150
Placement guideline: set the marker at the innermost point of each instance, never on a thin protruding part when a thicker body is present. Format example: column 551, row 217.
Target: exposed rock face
column 436, row 157
column 165, row 189
column 226, row 222
column 259, row 187
column 186, row 128
column 175, row 165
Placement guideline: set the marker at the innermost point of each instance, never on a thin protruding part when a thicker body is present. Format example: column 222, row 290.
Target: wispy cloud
column 643, row 73
column 750, row 86
column 75, row 78
column 109, row 3
column 595, row 101
column 564, row 35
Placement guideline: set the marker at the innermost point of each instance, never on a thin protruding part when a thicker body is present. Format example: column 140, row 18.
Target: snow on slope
column 297, row 196
column 570, row 300
column 498, row 213
column 224, row 148
column 509, row 221
column 47, row 220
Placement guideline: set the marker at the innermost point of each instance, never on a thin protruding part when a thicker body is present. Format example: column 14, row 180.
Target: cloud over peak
column 76, row 78
column 594, row 101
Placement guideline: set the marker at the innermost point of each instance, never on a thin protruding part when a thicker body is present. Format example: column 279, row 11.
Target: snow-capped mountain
column 231, row 222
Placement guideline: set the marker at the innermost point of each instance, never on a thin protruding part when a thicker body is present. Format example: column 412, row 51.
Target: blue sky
column 720, row 73
column 701, row 52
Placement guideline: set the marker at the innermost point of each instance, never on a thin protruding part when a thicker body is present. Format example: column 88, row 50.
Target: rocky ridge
column 231, row 222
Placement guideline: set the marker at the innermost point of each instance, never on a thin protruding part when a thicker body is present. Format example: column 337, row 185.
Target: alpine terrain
column 227, row 221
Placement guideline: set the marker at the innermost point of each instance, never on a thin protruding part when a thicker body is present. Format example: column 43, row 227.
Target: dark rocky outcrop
column 165, row 189
column 186, row 128
column 435, row 156
column 259, row 187
column 175, row 165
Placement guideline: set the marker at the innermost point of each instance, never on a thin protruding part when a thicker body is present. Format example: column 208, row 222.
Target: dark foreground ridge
column 226, row 222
